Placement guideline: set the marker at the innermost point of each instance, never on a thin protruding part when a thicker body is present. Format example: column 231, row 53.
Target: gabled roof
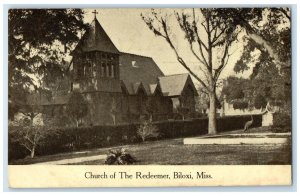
column 173, row 85
column 95, row 39
column 124, row 88
column 155, row 88
column 136, row 69
column 133, row 88
column 152, row 88
column 139, row 86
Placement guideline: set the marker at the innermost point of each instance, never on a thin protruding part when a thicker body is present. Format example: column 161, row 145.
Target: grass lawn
column 174, row 152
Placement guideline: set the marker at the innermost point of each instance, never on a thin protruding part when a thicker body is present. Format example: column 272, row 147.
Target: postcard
column 149, row 97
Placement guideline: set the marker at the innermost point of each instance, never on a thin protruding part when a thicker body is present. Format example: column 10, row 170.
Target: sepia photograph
column 150, row 86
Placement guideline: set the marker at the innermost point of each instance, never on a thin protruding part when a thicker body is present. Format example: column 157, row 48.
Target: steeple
column 95, row 39
column 95, row 12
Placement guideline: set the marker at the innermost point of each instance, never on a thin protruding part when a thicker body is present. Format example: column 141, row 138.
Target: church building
column 120, row 87
column 128, row 85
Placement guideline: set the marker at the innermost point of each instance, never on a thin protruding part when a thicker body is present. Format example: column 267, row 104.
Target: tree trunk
column 31, row 119
column 212, row 121
column 77, row 123
column 150, row 118
column 32, row 152
column 113, row 116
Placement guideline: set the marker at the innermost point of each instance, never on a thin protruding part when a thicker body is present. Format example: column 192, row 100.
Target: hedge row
column 70, row 139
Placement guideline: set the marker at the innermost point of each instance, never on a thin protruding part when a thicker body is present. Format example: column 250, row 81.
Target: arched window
column 109, row 70
column 103, row 70
column 112, row 71
column 88, row 69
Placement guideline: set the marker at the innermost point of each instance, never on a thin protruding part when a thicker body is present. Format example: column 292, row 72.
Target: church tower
column 95, row 61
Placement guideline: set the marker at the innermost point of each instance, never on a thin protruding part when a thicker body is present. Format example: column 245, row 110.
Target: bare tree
column 151, row 108
column 182, row 111
column 113, row 111
column 30, row 137
column 77, row 107
column 147, row 130
column 209, row 37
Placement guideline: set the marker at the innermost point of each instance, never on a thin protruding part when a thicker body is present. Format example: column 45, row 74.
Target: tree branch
column 187, row 29
column 284, row 12
column 214, row 43
column 27, row 138
column 223, row 62
column 26, row 147
column 200, row 42
column 166, row 36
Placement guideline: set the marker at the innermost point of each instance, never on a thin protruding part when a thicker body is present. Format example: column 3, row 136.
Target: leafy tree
column 211, row 47
column 268, row 33
column 39, row 41
column 234, row 88
column 260, row 101
column 266, row 86
column 27, row 102
column 267, row 29
column 240, row 104
column 77, row 107
column 236, row 91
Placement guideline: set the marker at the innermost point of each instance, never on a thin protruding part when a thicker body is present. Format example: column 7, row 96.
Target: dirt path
column 73, row 160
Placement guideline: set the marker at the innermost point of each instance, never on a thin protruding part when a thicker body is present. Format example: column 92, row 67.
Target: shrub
column 282, row 122
column 147, row 130
column 119, row 157
column 182, row 111
column 230, row 123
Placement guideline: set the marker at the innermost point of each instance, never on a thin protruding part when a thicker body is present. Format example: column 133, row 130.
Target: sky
column 130, row 34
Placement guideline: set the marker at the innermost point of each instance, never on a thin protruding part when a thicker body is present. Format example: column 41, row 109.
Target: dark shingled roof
column 135, row 69
column 173, row 85
column 95, row 39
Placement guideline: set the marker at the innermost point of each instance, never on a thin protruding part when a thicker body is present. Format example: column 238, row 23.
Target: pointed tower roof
column 95, row 39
